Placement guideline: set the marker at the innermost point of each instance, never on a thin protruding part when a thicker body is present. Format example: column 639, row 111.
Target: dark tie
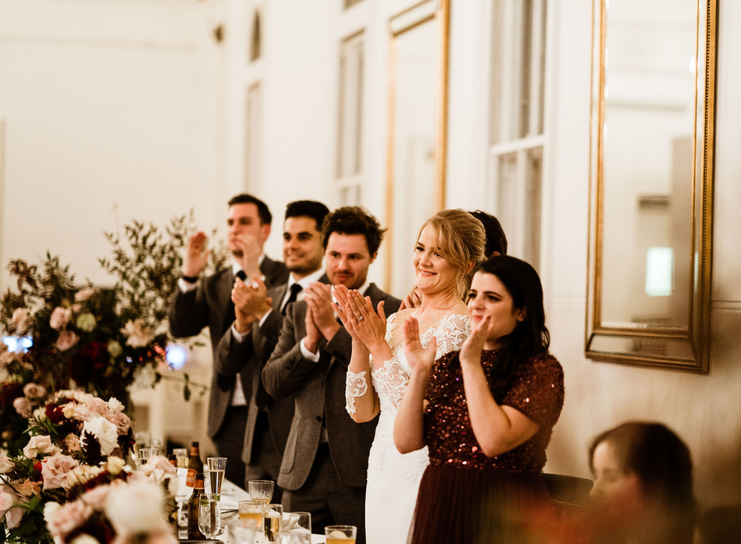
column 295, row 288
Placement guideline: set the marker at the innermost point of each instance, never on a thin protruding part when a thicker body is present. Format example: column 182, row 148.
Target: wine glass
column 216, row 471
column 145, row 454
column 340, row 534
column 273, row 521
column 209, row 514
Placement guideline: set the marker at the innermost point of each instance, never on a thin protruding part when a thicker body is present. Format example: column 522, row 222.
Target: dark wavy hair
column 530, row 336
column 263, row 212
column 354, row 220
column 496, row 240
column 308, row 208
column 659, row 458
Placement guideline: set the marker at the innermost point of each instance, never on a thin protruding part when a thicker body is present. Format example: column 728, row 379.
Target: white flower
column 34, row 391
column 83, row 294
column 115, row 405
column 84, row 539
column 50, row 509
column 136, row 508
column 105, row 432
column 137, row 333
column 23, row 406
column 60, row 317
column 39, row 414
column 20, row 320
column 115, row 465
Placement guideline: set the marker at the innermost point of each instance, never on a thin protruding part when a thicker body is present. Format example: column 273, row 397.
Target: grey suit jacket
column 319, row 390
column 207, row 306
column 248, row 358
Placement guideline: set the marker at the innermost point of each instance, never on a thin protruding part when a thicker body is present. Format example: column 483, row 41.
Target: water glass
column 209, row 514
column 252, row 511
column 273, row 521
column 261, row 490
column 340, row 534
column 182, row 457
column 145, row 454
column 216, row 471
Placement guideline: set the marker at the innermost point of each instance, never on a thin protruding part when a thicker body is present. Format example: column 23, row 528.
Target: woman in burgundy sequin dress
column 485, row 412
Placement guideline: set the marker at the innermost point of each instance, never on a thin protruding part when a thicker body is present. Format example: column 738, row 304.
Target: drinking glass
column 252, row 510
column 145, row 454
column 209, row 514
column 340, row 534
column 273, row 521
column 261, row 490
column 182, row 457
column 303, row 520
column 216, row 470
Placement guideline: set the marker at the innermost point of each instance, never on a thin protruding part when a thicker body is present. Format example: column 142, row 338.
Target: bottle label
column 190, row 479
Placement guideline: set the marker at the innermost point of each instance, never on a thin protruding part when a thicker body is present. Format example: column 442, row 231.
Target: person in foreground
column 486, row 412
column 449, row 246
column 642, row 490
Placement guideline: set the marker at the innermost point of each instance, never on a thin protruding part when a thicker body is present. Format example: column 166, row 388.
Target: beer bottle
column 194, row 532
column 195, row 465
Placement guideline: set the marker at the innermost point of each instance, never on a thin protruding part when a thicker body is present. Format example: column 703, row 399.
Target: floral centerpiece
column 96, row 339
column 73, row 459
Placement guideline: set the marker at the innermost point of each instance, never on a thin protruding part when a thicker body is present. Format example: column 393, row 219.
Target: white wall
column 151, row 176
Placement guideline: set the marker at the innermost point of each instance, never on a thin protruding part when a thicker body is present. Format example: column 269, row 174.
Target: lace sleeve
column 356, row 385
column 451, row 334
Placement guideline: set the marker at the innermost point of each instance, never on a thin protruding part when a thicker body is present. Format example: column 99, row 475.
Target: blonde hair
column 461, row 240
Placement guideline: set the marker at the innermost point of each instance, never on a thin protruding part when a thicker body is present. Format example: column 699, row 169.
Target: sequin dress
column 466, row 497
column 393, row 478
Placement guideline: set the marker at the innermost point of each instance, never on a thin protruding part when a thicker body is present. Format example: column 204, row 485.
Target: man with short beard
column 325, row 462
column 202, row 302
column 249, row 342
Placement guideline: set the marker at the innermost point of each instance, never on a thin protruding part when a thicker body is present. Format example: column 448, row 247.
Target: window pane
column 349, row 145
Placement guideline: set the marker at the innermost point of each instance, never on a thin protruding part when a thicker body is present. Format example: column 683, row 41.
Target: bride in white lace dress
column 448, row 247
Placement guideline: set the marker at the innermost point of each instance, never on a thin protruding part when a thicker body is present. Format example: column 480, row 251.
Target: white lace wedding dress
column 393, row 478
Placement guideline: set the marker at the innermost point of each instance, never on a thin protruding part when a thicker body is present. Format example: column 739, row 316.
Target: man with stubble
column 325, row 462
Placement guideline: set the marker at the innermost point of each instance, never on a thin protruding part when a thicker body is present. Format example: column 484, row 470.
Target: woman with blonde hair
column 450, row 244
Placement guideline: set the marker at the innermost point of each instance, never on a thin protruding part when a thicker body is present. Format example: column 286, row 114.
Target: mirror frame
column 697, row 336
column 400, row 23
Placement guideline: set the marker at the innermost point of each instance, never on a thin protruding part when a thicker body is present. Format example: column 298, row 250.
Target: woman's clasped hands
column 362, row 322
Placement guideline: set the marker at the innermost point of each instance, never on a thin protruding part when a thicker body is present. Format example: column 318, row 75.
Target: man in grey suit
column 325, row 462
column 248, row 343
column 206, row 302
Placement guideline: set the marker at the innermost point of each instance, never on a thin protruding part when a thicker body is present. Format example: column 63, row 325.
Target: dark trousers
column 229, row 442
column 329, row 501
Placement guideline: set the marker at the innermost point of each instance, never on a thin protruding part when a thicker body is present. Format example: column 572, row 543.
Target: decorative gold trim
column 698, row 333
column 442, row 13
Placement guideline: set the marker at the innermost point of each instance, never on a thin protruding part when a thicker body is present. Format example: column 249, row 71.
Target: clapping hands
column 420, row 358
column 250, row 302
column 361, row 321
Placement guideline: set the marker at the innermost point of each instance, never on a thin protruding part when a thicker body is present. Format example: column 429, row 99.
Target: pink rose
column 34, row 391
column 120, row 420
column 13, row 514
column 67, row 518
column 83, row 413
column 60, row 317
column 39, row 444
column 66, row 340
column 83, row 294
column 98, row 406
column 54, row 470
column 20, row 320
column 96, row 497
column 23, row 406
column 72, row 443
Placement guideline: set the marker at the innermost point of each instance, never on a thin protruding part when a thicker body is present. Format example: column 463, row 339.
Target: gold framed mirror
column 417, row 117
column 651, row 186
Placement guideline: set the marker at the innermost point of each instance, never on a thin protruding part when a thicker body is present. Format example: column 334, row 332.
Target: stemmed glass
column 216, row 471
column 209, row 514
